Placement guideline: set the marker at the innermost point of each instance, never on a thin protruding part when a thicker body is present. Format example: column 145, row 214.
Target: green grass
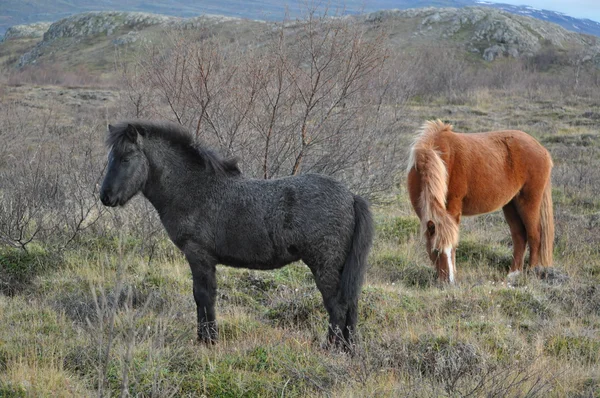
column 18, row 267
column 272, row 328
column 415, row 337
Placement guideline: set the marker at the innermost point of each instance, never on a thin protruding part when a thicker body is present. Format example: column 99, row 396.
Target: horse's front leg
column 205, row 292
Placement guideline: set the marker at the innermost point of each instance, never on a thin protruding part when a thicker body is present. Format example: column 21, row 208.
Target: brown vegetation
column 97, row 302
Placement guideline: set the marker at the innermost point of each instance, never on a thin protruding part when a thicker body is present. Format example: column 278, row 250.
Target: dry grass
column 113, row 314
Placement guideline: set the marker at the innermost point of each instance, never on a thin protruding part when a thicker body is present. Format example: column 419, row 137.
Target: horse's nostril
column 105, row 197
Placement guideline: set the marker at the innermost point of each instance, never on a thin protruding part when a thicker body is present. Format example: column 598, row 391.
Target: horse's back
column 511, row 154
column 491, row 168
column 317, row 202
column 268, row 223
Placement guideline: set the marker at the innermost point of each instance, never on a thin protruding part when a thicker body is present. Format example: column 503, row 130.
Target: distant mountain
column 17, row 12
column 579, row 25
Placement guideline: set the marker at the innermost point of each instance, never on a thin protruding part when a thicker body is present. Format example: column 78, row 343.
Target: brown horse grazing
column 452, row 174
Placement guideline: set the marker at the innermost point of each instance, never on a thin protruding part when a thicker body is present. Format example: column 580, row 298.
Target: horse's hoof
column 513, row 274
column 338, row 346
column 207, row 341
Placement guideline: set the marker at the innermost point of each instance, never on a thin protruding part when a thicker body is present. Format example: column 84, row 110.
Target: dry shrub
column 48, row 189
column 308, row 98
column 55, row 75
column 439, row 366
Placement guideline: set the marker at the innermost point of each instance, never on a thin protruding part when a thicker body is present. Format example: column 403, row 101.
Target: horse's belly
column 273, row 263
column 487, row 202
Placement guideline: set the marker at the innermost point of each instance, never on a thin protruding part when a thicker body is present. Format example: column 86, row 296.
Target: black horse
column 217, row 216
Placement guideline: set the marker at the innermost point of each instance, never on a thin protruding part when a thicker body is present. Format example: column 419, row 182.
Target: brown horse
column 452, row 174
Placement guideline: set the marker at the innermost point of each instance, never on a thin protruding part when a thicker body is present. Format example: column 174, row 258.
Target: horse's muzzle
column 106, row 199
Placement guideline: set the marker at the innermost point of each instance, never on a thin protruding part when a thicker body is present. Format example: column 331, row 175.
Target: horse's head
column 443, row 257
column 127, row 169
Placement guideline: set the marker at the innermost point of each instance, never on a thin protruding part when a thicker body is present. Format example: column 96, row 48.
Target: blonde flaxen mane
column 425, row 159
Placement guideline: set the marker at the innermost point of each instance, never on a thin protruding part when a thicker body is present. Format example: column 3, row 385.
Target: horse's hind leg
column 327, row 278
column 328, row 286
column 518, row 233
column 205, row 291
column 528, row 204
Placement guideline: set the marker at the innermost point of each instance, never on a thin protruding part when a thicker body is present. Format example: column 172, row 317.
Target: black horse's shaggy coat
column 215, row 215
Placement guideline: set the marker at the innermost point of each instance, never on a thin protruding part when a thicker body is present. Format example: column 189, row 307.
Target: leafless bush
column 47, row 188
column 440, row 367
column 546, row 58
column 310, row 98
column 442, row 71
column 50, row 74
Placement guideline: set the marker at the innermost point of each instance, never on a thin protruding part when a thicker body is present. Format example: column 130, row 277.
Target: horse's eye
column 125, row 160
column 431, row 228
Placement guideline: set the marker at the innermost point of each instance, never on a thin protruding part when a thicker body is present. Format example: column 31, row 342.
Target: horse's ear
column 431, row 227
column 111, row 128
column 131, row 133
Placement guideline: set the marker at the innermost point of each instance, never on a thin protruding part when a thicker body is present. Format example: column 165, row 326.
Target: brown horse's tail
column 547, row 227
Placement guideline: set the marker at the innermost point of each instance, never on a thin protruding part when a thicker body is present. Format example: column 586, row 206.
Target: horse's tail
column 547, row 226
column 355, row 266
column 433, row 174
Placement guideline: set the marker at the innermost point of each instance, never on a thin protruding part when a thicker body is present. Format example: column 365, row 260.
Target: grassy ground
column 108, row 315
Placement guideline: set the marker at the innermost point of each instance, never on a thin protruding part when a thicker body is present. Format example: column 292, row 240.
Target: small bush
column 79, row 305
column 522, row 305
column 299, row 309
column 582, row 348
column 469, row 251
column 379, row 307
column 395, row 268
column 8, row 390
column 451, row 363
column 398, row 229
column 256, row 285
column 445, row 359
column 238, row 329
column 420, row 276
column 19, row 267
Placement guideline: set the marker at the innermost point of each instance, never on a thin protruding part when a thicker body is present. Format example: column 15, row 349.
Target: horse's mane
column 426, row 160
column 425, row 138
column 176, row 136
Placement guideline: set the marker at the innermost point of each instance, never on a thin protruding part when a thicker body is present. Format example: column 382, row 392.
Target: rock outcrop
column 31, row 31
column 95, row 23
column 486, row 31
column 121, row 28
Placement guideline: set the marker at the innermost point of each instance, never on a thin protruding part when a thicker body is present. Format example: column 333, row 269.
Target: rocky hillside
column 27, row 31
column 13, row 12
column 107, row 23
column 90, row 38
column 487, row 32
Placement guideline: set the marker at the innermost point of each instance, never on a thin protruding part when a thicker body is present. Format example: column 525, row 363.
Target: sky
column 589, row 9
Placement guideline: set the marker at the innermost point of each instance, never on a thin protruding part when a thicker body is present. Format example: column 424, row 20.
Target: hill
column 90, row 39
column 487, row 32
column 16, row 12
